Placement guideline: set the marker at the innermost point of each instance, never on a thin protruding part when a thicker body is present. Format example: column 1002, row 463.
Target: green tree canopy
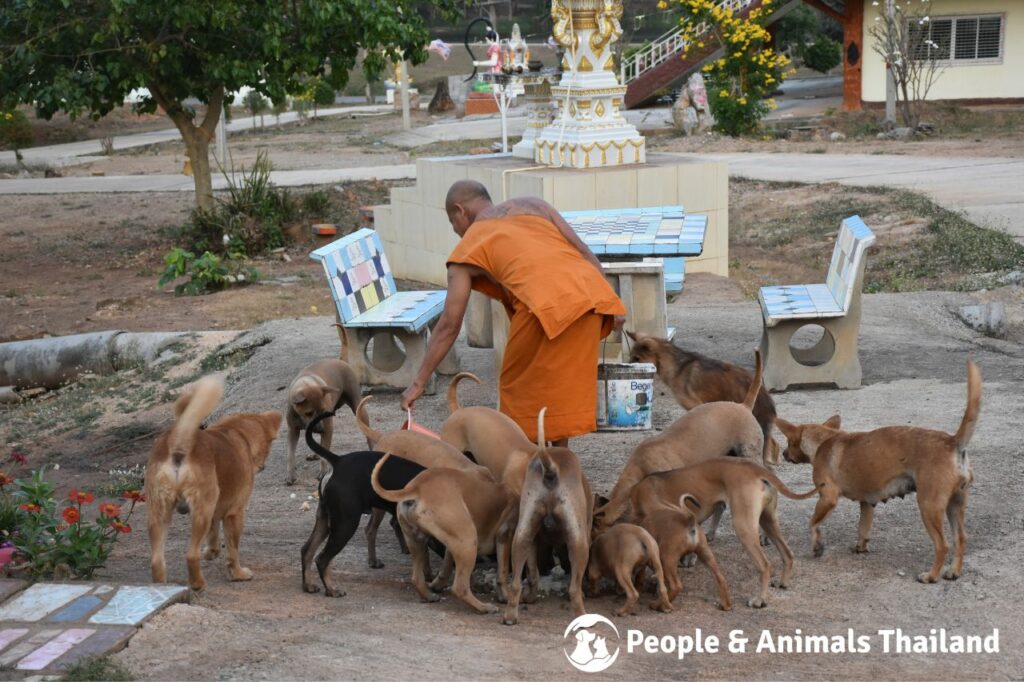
column 85, row 56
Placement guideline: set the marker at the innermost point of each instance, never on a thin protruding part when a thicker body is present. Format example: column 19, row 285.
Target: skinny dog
column 555, row 491
column 207, row 473
column 696, row 379
column 747, row 488
column 316, row 390
column 678, row 534
column 893, row 461
column 623, row 552
column 709, row 430
column 465, row 510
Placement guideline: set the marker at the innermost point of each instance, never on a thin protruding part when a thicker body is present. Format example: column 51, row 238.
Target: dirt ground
column 913, row 353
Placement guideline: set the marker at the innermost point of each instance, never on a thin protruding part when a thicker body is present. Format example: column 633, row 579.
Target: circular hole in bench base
column 812, row 345
column 385, row 352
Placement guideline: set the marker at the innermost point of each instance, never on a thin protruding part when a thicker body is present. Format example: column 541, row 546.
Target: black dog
column 345, row 495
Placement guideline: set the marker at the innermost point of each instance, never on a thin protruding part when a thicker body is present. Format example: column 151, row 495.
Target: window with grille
column 965, row 40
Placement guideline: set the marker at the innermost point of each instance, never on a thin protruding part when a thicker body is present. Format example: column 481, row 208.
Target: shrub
column 748, row 71
column 15, row 131
column 323, row 92
column 63, row 544
column 206, row 273
column 822, row 55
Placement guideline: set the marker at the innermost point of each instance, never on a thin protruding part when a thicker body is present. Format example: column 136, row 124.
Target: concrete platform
column 48, row 627
column 418, row 238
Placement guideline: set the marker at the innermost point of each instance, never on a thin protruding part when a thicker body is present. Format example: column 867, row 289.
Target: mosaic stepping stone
column 134, row 603
column 40, row 600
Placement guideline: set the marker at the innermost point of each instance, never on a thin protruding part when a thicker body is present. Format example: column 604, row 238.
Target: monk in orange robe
column 523, row 253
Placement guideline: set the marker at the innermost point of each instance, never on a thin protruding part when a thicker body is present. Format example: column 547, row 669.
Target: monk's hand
column 410, row 395
column 619, row 321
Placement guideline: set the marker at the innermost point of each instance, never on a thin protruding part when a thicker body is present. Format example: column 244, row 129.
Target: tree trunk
column 196, row 137
column 442, row 99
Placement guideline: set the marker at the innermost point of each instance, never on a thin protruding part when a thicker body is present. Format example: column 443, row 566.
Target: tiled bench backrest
column 358, row 271
column 854, row 239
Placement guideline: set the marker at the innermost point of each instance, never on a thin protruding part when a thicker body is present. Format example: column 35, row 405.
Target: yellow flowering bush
column 747, row 69
column 15, row 130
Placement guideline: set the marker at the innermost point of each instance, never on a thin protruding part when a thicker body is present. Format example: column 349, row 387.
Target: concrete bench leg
column 389, row 366
column 450, row 363
column 478, row 322
column 833, row 360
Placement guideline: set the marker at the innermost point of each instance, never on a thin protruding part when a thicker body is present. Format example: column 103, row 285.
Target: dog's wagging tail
column 453, row 393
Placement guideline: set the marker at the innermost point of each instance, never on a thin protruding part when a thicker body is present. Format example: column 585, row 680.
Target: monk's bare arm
column 442, row 337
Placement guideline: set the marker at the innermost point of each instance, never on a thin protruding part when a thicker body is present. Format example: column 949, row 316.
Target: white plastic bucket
column 625, row 396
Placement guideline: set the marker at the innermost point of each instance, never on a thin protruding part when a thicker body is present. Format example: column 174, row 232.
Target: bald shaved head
column 465, row 199
column 465, row 192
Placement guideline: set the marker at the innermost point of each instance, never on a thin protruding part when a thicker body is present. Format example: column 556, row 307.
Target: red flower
column 120, row 527
column 18, row 457
column 34, row 508
column 134, row 495
column 110, row 509
column 79, row 497
column 5, row 479
column 72, row 515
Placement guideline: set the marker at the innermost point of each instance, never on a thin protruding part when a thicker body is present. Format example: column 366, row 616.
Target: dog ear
column 785, row 427
column 298, row 398
column 630, row 334
column 834, row 422
column 688, row 498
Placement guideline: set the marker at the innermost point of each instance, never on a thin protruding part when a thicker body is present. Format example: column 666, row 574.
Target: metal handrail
column 665, row 46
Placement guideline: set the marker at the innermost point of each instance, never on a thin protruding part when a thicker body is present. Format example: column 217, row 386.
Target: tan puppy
column 622, row 552
column 678, row 534
column 554, row 488
column 496, row 441
column 875, row 466
column 709, row 430
column 748, row 489
column 696, row 379
column 466, row 511
column 314, row 391
column 208, row 473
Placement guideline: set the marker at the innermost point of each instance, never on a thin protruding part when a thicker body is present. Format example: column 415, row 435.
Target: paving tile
column 134, row 603
column 11, row 635
column 56, row 647
column 106, row 640
column 41, row 599
column 76, row 610
column 27, row 646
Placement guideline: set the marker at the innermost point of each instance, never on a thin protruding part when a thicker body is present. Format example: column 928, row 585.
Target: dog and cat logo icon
column 591, row 643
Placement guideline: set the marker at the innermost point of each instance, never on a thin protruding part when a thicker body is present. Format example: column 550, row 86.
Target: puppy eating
column 314, row 391
column 748, row 489
column 207, row 473
column 678, row 534
column 893, row 461
column 623, row 552
column 696, row 379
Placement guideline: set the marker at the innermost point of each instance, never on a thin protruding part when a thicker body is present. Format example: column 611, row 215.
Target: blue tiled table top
column 654, row 231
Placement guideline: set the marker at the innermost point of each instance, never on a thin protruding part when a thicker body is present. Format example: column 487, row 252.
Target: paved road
column 79, row 152
column 183, row 183
column 989, row 190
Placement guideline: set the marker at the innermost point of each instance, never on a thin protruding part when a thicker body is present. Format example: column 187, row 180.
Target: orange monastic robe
column 560, row 308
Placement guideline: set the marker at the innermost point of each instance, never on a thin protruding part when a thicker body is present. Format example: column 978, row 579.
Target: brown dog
column 678, row 534
column 709, row 430
column 495, row 441
column 415, row 447
column 696, row 379
column 466, row 511
column 748, row 489
column 314, row 391
column 554, row 489
column 622, row 552
column 208, row 473
column 892, row 461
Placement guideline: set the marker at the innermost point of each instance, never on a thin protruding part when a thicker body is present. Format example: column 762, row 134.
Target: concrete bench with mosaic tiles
column 834, row 305
column 387, row 329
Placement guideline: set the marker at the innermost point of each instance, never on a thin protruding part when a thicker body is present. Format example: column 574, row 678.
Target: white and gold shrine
column 589, row 130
